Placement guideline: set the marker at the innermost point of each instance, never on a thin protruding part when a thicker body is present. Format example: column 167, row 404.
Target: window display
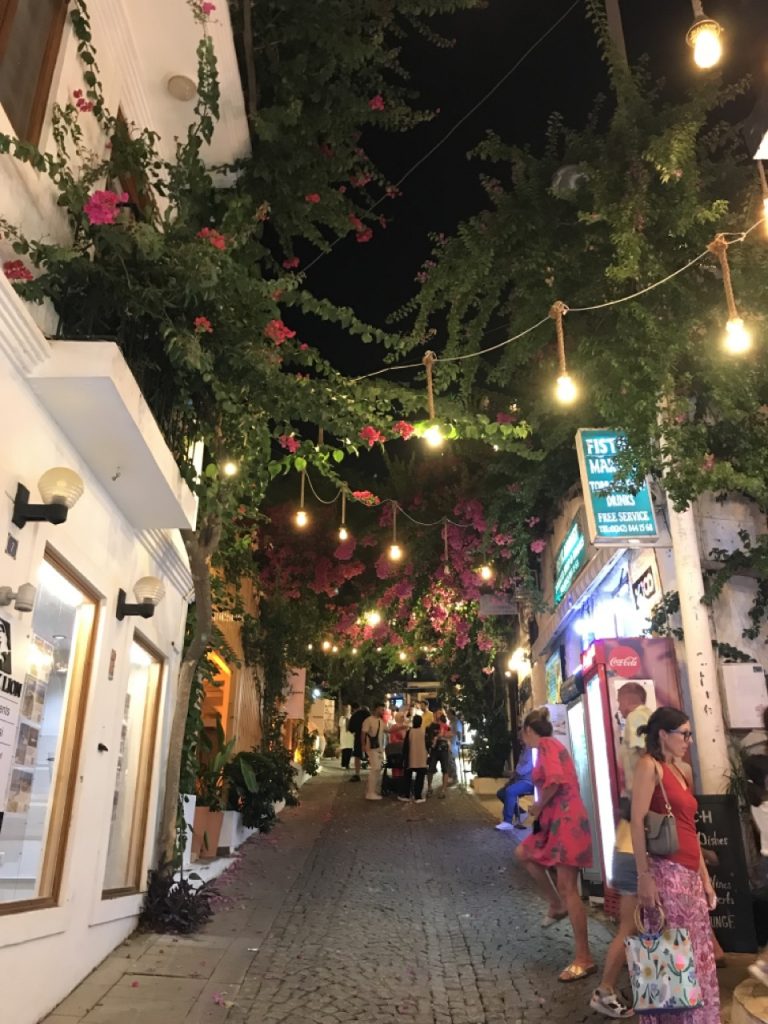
column 134, row 773
column 39, row 733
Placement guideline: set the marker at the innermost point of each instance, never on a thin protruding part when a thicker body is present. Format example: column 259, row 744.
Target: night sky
column 564, row 74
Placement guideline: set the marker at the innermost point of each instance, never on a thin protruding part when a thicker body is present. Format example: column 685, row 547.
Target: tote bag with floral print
column 662, row 968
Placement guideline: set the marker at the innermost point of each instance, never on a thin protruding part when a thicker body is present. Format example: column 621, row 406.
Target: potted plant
column 257, row 782
column 210, row 791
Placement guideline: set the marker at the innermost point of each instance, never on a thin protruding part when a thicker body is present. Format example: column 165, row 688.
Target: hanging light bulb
column 229, row 468
column 326, row 645
column 373, row 618
column 309, row 647
column 334, row 649
column 403, row 656
column 704, row 38
column 485, row 572
column 395, row 552
column 566, row 391
column 433, row 435
column 737, row 339
column 343, row 531
column 301, row 518
column 354, row 650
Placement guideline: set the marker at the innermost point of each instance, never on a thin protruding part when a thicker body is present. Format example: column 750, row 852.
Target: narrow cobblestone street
column 351, row 912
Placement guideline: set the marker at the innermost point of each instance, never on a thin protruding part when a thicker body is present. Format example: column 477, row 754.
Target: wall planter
column 207, row 832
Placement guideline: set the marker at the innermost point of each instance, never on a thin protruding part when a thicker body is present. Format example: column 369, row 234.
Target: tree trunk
column 201, row 545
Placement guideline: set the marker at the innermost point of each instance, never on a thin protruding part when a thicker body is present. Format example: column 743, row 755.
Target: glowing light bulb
column 434, row 436
column 737, row 338
column 402, row 656
column 565, row 389
column 395, row 552
column 486, row 572
column 301, row 518
column 354, row 650
column 326, row 645
column 704, row 37
column 230, row 468
column 373, row 618
column 334, row 649
column 309, row 647
column 343, row 533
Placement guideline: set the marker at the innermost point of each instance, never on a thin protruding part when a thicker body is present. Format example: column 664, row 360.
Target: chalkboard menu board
column 719, row 825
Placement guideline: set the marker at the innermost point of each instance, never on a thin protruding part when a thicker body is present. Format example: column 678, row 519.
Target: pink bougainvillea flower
column 504, row 417
column 292, row 263
column 364, row 236
column 277, row 331
column 356, row 223
column 206, row 7
column 532, row 521
column 371, row 435
column 538, row 545
column 405, row 430
column 289, row 442
column 366, row 497
column 101, row 207
column 708, row 462
column 203, row 325
column 213, row 237
column 361, row 180
column 312, row 197
column 303, row 347
column 15, row 270
column 376, row 102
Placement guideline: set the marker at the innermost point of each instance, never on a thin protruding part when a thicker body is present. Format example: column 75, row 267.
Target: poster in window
column 33, row 699
column 20, row 791
column 5, row 647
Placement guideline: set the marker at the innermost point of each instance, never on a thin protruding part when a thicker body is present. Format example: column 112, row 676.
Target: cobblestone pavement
column 355, row 912
column 414, row 914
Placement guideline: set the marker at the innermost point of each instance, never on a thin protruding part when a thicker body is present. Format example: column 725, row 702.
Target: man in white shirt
column 374, row 738
column 631, row 698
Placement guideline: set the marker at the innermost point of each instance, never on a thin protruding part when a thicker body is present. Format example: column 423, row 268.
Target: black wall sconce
column 149, row 591
column 60, row 488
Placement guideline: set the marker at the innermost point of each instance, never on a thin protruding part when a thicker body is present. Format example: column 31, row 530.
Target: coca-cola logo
column 624, row 661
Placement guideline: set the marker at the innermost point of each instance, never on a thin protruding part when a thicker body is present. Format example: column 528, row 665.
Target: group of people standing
column 415, row 741
column 679, row 882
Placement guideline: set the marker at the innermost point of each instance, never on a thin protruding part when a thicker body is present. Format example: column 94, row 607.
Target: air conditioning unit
column 745, row 693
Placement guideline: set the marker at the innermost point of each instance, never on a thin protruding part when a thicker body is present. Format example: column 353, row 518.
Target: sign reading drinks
column 570, row 559
column 612, row 517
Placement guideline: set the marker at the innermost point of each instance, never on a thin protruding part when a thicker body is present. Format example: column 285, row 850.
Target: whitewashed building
column 86, row 694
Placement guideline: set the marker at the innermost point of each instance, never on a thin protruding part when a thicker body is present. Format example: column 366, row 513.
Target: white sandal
column 609, row 1004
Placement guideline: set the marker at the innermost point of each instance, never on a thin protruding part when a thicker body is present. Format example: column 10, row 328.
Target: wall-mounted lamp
column 23, row 598
column 149, row 591
column 60, row 488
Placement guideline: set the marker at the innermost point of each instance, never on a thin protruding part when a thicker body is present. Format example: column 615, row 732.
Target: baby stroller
column 394, row 771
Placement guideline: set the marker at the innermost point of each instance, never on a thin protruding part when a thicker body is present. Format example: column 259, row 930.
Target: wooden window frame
column 150, row 726
column 8, row 8
column 63, row 795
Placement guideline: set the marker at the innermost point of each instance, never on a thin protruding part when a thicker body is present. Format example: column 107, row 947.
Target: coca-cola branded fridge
column 623, row 680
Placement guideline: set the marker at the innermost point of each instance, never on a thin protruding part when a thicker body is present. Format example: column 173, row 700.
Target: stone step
column 750, row 1003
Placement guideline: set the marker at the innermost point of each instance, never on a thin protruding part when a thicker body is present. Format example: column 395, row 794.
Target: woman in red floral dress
column 563, row 841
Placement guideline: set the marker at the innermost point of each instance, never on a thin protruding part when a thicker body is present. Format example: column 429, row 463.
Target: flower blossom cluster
column 277, row 331
column 366, row 497
column 102, row 206
column 289, row 442
column 371, row 435
column 83, row 105
column 214, row 237
column 15, row 270
column 203, row 325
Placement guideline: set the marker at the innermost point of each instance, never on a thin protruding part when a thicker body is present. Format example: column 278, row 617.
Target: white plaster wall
column 96, row 541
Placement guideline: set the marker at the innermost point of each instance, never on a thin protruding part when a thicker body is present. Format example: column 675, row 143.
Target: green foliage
column 310, row 762
column 216, row 755
column 256, row 781
column 179, row 906
column 749, row 560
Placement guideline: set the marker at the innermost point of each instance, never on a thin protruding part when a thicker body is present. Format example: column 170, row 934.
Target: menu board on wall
column 720, row 836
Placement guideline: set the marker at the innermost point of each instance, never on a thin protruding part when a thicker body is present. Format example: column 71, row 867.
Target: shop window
column 30, row 36
column 217, row 696
column 133, row 781
column 43, row 688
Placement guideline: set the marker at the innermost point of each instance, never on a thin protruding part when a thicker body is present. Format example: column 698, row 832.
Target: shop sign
column 612, row 518
column 553, row 673
column 570, row 559
column 720, row 838
column 10, row 706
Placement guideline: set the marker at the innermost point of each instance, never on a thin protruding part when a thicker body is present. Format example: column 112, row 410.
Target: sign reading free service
column 612, row 517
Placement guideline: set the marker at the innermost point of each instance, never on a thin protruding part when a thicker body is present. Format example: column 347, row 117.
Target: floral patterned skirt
column 682, row 897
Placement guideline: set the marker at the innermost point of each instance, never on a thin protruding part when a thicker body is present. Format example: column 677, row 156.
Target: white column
column 710, row 743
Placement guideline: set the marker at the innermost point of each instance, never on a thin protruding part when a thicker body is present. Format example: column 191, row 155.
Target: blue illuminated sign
column 612, row 517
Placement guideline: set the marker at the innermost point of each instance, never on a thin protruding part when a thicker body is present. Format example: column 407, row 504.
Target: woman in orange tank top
column 679, row 883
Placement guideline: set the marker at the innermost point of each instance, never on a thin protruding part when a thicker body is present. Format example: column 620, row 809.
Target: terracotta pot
column 212, row 834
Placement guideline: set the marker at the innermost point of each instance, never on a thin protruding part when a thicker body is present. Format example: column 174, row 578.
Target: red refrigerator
column 607, row 666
